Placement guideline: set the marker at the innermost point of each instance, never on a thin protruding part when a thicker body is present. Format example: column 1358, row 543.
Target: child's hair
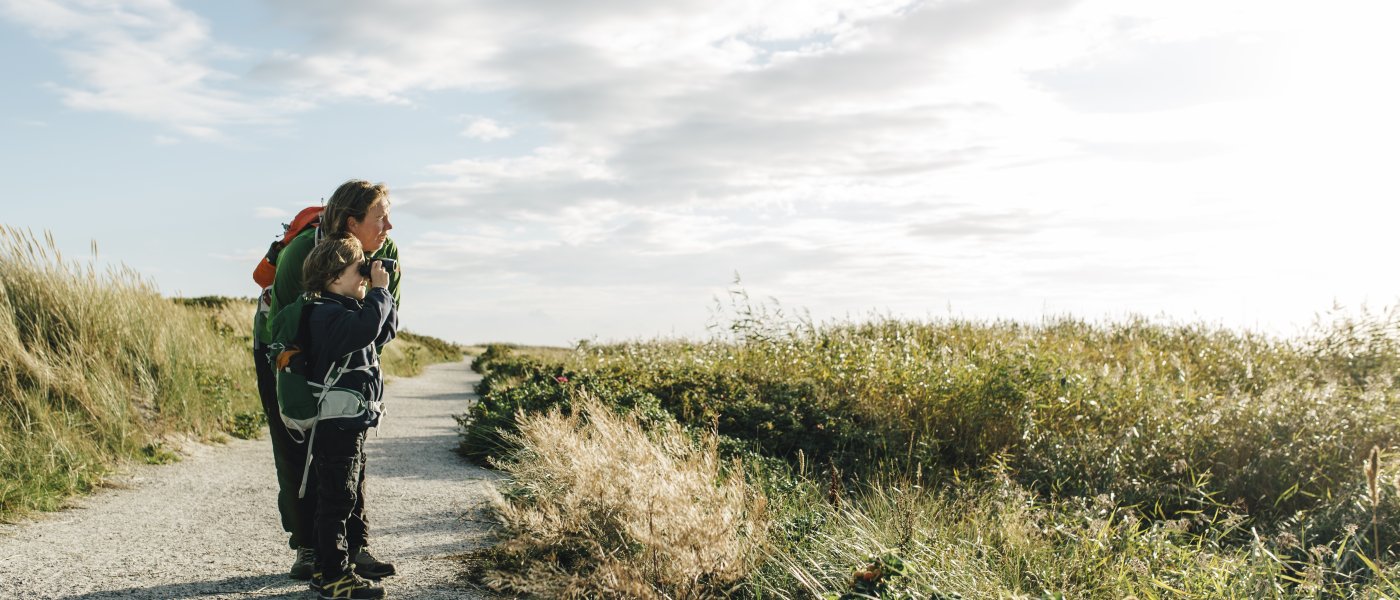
column 326, row 261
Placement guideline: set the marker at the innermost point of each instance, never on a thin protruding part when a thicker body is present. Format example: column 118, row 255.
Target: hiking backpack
column 266, row 272
column 301, row 402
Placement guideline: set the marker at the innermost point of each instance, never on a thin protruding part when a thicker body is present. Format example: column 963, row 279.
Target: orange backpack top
column 266, row 271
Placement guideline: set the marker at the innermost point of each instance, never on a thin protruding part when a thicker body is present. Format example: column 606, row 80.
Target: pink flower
column 561, row 379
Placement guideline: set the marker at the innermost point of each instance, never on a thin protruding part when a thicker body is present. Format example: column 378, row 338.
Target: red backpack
column 266, row 271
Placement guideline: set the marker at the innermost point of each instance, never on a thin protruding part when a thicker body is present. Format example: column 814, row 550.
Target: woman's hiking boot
column 348, row 586
column 370, row 567
column 305, row 564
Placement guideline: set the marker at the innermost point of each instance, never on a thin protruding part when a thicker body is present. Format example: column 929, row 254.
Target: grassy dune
column 955, row 458
column 410, row 352
column 96, row 368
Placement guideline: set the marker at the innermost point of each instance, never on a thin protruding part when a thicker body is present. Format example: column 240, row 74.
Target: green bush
column 1172, row 420
column 489, row 421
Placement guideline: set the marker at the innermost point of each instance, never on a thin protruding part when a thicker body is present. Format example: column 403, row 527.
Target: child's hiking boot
column 370, row 567
column 305, row 564
column 350, row 587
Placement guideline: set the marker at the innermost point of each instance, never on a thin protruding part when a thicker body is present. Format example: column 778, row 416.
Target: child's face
column 349, row 283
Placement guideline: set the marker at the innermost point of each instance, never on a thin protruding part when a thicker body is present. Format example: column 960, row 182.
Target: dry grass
column 600, row 507
column 96, row 367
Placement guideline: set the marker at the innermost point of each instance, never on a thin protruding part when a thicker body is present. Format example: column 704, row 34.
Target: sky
column 607, row 170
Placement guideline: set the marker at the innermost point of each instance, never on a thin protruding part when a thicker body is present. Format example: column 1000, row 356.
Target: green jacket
column 287, row 284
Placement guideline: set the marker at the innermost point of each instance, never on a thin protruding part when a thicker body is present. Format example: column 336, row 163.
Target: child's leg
column 357, row 534
column 357, row 526
column 337, row 458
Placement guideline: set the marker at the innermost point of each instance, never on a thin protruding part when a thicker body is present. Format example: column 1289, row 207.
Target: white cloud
column 1010, row 155
column 515, row 185
column 248, row 256
column 487, row 130
column 956, row 124
column 270, row 212
column 150, row 60
column 386, row 52
column 778, row 104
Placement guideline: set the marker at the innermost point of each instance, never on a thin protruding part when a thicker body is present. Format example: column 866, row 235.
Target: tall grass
column 1217, row 451
column 598, row 507
column 994, row 539
column 410, row 352
column 96, row 367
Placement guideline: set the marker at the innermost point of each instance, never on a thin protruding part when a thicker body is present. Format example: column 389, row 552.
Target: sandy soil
column 207, row 526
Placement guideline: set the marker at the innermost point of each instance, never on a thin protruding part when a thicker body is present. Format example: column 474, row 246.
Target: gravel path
column 207, row 526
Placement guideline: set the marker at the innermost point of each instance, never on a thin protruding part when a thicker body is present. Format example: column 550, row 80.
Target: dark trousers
column 298, row 514
column 341, row 524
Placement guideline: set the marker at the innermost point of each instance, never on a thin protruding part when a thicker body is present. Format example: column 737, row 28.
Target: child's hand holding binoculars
column 378, row 276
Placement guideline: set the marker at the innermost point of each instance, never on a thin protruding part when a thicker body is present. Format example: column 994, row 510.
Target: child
column 345, row 322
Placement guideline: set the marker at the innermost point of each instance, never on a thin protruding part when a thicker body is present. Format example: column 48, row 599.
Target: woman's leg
column 298, row 514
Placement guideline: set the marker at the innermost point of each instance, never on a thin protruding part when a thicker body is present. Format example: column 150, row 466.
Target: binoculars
column 389, row 265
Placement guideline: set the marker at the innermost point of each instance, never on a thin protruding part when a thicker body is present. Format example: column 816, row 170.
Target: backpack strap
column 294, row 434
column 334, row 375
column 306, row 468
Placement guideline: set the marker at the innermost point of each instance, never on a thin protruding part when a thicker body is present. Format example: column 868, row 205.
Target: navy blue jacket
column 339, row 326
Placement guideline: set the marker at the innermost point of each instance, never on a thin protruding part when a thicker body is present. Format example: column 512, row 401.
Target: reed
column 1372, row 471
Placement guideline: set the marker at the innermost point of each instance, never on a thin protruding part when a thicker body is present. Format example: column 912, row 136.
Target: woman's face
column 374, row 229
column 350, row 283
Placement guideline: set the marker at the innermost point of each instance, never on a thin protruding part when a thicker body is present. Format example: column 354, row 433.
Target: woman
column 361, row 209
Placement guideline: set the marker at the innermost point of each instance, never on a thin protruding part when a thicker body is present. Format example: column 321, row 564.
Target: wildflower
column 561, row 379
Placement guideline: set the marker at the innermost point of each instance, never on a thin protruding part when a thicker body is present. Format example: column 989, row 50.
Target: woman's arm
column 286, row 284
column 390, row 250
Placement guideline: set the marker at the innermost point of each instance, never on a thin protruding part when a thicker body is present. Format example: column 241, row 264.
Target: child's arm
column 390, row 329
column 344, row 331
column 381, row 292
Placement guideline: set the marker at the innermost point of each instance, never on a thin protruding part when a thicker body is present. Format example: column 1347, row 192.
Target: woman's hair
column 352, row 199
column 328, row 259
